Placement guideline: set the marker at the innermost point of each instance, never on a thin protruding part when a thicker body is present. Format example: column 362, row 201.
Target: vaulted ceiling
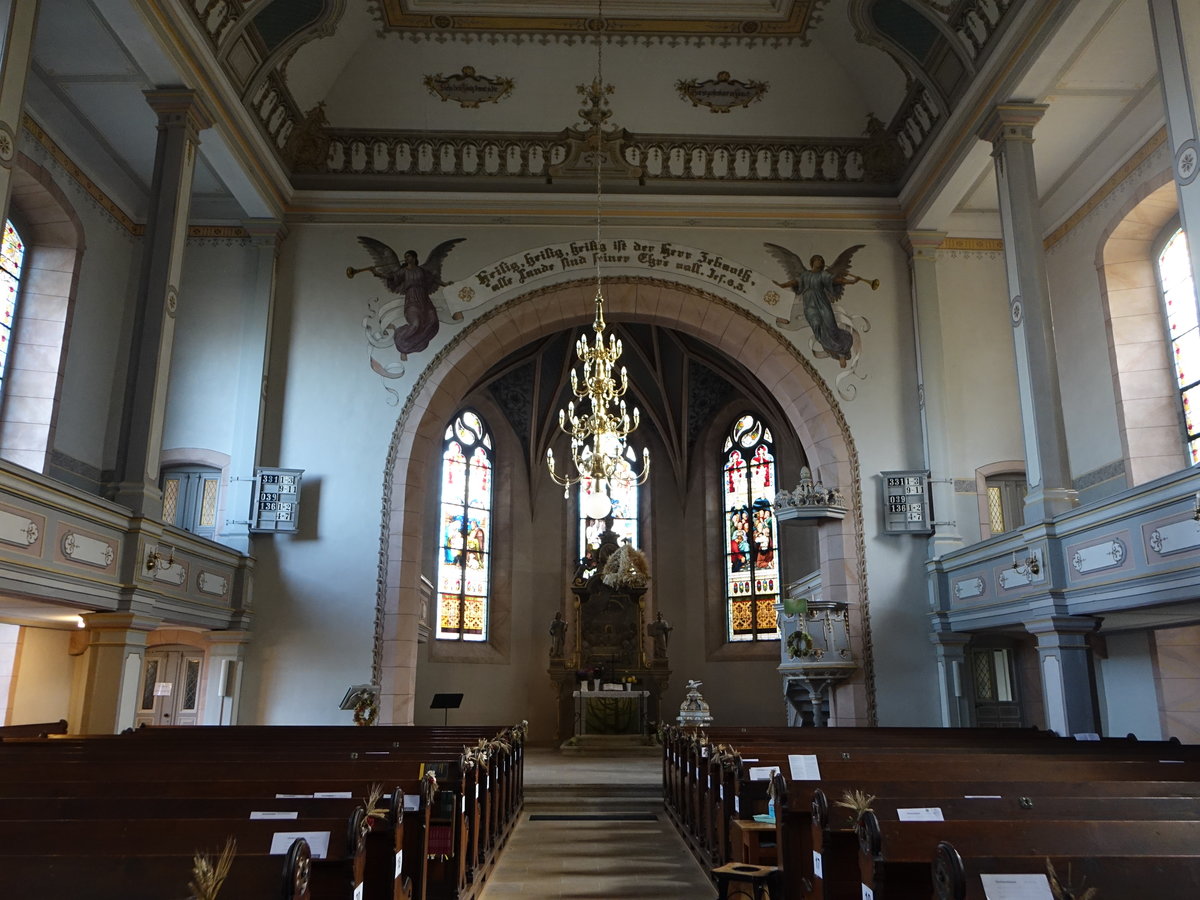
column 745, row 99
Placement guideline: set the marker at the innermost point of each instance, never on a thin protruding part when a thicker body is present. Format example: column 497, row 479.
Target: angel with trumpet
column 415, row 283
column 817, row 288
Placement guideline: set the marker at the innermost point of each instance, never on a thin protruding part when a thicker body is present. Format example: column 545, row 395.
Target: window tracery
column 751, row 558
column 465, row 555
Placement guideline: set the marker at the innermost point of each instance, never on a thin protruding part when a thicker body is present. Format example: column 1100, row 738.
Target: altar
column 604, row 634
column 610, row 712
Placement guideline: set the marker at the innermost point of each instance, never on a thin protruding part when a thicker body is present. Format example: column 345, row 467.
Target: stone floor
column 608, row 839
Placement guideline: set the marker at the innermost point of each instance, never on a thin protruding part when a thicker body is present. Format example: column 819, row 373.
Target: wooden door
column 170, row 688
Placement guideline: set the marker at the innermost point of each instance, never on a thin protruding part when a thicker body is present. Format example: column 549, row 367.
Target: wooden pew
column 59, row 872
column 1159, row 876
column 835, row 838
column 896, row 858
column 11, row 732
column 189, row 763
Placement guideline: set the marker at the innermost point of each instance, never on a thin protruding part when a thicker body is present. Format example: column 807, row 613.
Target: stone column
column 181, row 117
column 111, row 669
column 223, row 680
column 922, row 249
column 1009, row 129
column 258, row 307
column 953, row 691
column 19, row 20
column 1176, row 28
column 1065, row 662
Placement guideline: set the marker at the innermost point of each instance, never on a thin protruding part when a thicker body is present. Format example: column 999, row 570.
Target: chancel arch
column 805, row 401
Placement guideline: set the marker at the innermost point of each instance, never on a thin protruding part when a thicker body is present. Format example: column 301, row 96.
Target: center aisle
column 594, row 827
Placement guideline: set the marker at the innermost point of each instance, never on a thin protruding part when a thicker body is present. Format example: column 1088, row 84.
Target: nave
column 593, row 826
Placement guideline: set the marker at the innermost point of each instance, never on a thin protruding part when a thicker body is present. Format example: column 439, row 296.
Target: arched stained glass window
column 1179, row 296
column 751, row 532
column 465, row 558
column 623, row 496
column 12, row 257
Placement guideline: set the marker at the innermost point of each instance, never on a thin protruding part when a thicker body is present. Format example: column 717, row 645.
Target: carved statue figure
column 817, row 288
column 660, row 631
column 415, row 282
column 558, row 635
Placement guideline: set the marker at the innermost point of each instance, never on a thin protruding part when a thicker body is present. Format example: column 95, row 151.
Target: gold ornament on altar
column 625, row 568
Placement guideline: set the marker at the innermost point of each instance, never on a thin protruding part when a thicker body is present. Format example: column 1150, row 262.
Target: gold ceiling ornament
column 721, row 94
column 468, row 88
column 600, row 454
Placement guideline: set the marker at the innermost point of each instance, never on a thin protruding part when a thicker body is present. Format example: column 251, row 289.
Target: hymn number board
column 906, row 502
column 276, row 505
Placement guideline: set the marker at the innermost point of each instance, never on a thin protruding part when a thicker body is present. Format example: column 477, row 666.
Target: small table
column 617, row 716
column 757, row 841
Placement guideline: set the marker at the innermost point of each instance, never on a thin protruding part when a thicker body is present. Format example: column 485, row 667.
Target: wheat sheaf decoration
column 371, row 804
column 858, row 802
column 1065, row 891
column 208, row 876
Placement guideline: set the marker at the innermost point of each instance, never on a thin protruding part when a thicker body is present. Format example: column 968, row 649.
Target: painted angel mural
column 410, row 319
column 818, row 289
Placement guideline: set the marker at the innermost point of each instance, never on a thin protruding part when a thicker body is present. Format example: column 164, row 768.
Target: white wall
column 43, row 676
column 1125, row 684
column 330, row 415
column 218, row 276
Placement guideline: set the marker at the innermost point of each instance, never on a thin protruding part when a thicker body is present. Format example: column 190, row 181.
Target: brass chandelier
column 598, row 431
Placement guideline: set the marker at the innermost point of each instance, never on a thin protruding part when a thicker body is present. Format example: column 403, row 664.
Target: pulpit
column 608, row 662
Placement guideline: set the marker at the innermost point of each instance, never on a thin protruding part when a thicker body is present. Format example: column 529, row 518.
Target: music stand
column 446, row 702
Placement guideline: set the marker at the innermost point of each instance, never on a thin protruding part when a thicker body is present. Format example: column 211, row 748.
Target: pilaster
column 1009, row 129
column 1176, row 29
column 223, row 681
column 922, row 247
column 951, row 649
column 19, row 23
column 1065, row 662
column 248, row 403
column 112, row 668
column 182, row 115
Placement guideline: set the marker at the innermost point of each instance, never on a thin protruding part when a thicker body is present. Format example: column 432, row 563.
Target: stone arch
column 806, row 400
column 1143, row 380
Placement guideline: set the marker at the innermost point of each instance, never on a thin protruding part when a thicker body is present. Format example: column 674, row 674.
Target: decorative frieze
column 969, row 588
column 19, row 529
column 1097, row 557
column 1175, row 537
column 86, row 549
column 212, row 583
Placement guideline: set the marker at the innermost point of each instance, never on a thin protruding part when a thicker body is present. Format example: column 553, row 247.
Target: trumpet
column 351, row 271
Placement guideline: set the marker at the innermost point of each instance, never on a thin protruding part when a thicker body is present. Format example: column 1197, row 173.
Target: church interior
column 570, row 378
column 903, row 299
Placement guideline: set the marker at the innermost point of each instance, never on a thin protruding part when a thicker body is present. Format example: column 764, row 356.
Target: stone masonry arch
column 806, row 400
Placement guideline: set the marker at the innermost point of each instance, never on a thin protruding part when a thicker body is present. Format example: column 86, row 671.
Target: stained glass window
column 623, row 496
column 748, row 485
column 1179, row 296
column 465, row 557
column 12, row 257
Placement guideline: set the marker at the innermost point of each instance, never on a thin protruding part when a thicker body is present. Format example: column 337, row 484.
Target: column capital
column 922, row 244
column 949, row 640
column 1055, row 630
column 265, row 232
column 180, row 107
column 100, row 624
column 1011, row 122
